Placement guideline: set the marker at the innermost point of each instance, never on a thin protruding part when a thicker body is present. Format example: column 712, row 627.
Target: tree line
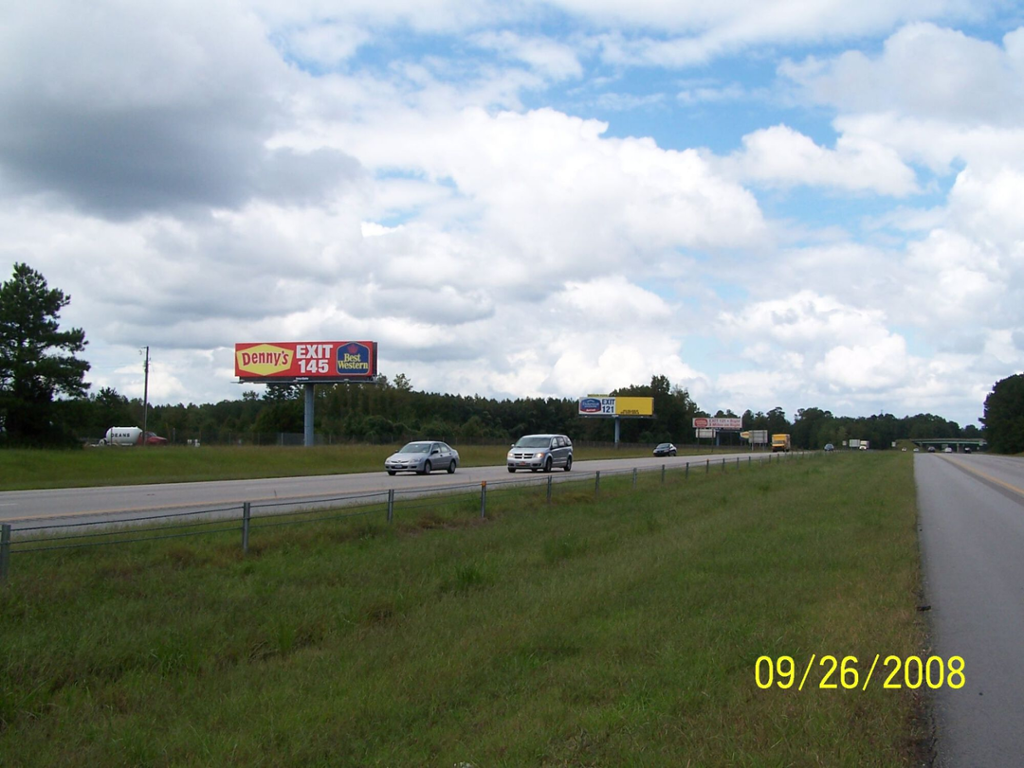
column 44, row 401
column 392, row 411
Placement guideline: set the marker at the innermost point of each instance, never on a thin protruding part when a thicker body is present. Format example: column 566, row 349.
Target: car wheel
column 512, row 470
column 451, row 468
column 673, row 453
column 427, row 468
column 391, row 472
column 547, row 465
column 568, row 464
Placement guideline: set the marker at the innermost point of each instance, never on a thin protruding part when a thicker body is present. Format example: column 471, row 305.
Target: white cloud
column 781, row 156
column 624, row 102
column 553, row 191
column 927, row 72
column 803, row 321
column 811, row 349
column 549, row 57
column 868, row 366
column 693, row 33
column 327, row 43
column 705, row 93
column 939, row 145
column 609, row 302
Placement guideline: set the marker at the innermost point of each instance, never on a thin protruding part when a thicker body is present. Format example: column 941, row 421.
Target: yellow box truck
column 780, row 443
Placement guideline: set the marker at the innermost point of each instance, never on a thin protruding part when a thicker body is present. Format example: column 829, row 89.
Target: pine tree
column 37, row 359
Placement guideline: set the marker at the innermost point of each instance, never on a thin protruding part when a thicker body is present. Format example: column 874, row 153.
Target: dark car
column 665, row 449
column 829, row 447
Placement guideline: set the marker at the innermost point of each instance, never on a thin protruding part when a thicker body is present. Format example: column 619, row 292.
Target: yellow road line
column 989, row 478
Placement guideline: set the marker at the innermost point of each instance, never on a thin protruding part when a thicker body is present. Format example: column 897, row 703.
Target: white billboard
column 718, row 422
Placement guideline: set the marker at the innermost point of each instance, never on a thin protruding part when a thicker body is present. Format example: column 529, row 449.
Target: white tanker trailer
column 129, row 436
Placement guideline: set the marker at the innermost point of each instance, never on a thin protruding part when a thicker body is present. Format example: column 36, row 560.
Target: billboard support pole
column 307, row 424
column 617, row 431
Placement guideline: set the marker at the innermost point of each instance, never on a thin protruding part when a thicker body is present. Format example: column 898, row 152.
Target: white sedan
column 423, row 457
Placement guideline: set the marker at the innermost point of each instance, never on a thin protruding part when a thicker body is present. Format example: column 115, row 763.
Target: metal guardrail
column 237, row 518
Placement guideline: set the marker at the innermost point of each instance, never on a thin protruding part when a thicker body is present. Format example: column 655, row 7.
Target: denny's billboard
column 306, row 361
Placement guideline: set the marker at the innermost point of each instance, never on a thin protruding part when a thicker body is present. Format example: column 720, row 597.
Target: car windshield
column 533, row 442
column 416, row 448
column 663, row 445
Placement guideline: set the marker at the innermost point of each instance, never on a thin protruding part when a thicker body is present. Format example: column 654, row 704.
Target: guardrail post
column 391, row 505
column 686, row 475
column 246, row 512
column 707, row 466
column 5, row 551
column 549, row 489
column 483, row 500
column 723, row 465
column 597, row 482
column 662, row 474
column 634, row 478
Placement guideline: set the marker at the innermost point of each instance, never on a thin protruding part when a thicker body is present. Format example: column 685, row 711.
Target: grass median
column 619, row 628
column 36, row 469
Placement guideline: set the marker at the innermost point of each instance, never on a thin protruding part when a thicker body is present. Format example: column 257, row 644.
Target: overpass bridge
column 956, row 443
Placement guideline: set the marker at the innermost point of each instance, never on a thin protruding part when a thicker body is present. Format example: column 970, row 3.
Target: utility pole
column 145, row 401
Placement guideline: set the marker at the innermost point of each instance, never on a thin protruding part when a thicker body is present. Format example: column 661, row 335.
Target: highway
column 971, row 516
column 23, row 509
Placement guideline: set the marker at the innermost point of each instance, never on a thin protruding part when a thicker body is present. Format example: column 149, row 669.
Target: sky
column 774, row 203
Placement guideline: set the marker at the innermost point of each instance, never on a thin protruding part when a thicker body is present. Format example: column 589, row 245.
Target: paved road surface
column 972, row 543
column 29, row 508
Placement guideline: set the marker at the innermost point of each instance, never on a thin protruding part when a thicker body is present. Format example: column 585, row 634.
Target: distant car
column 423, row 457
column 152, row 438
column 931, row 449
column 947, row 449
column 967, row 449
column 545, row 452
column 665, row 449
column 829, row 447
column 917, row 450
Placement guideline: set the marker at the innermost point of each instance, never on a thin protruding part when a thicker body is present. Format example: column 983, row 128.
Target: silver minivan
column 545, row 452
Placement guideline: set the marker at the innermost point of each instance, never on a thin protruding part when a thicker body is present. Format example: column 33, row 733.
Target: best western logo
column 354, row 359
column 264, row 359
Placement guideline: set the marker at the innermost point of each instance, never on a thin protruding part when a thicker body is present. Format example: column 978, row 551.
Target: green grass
column 35, row 469
column 621, row 630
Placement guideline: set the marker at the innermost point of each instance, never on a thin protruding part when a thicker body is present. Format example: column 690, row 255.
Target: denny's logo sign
column 263, row 360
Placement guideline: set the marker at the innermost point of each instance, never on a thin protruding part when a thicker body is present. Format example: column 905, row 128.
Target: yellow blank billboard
column 634, row 406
